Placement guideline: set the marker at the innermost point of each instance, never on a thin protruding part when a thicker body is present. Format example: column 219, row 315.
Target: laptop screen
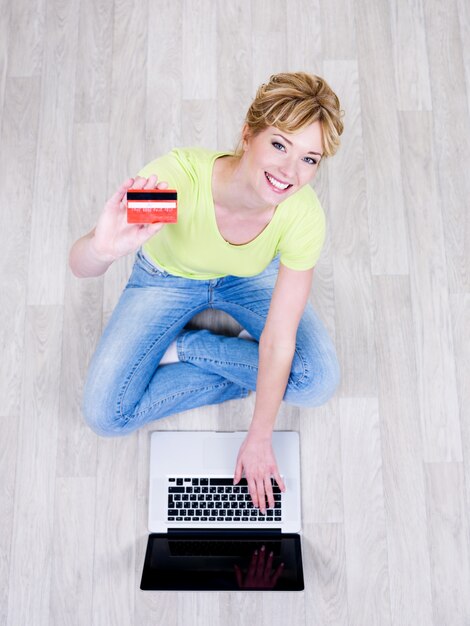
column 224, row 560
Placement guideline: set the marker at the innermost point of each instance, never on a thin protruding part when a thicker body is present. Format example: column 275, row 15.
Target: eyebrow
column 290, row 143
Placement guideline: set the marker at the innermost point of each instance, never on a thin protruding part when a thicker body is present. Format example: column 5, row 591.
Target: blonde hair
column 292, row 101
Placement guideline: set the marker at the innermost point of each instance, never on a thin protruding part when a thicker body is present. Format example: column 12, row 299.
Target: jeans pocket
column 149, row 266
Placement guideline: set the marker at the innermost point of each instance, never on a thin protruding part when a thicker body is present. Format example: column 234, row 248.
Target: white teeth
column 276, row 183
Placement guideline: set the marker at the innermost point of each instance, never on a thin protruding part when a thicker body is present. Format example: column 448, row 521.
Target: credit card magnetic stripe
column 151, row 195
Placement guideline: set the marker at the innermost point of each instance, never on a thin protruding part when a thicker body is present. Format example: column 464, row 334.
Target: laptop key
column 175, row 489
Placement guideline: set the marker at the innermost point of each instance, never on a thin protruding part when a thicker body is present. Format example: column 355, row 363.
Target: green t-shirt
column 194, row 247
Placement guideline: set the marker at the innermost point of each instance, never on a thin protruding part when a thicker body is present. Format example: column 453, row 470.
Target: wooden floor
column 90, row 91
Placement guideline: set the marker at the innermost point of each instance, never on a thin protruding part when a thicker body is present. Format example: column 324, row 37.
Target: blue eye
column 276, row 144
column 311, row 161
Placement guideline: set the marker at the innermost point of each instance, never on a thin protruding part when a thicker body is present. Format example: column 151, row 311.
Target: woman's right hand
column 113, row 237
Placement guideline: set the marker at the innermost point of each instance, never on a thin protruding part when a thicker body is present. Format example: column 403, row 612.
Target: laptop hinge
column 204, row 532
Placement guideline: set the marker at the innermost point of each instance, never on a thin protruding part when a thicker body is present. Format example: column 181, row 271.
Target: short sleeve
column 173, row 168
column 303, row 238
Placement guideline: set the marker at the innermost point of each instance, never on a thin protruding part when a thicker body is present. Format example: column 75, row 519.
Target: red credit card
column 147, row 206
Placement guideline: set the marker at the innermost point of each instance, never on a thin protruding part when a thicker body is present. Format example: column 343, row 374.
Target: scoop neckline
column 219, row 155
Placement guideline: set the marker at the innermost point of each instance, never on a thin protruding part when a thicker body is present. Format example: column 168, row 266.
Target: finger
column 238, row 472
column 140, row 182
column 253, row 563
column 269, row 492
column 279, row 480
column 150, row 182
column 116, row 199
column 252, row 491
column 278, row 573
column 162, row 185
column 149, row 231
column 269, row 562
column 261, row 496
column 260, row 564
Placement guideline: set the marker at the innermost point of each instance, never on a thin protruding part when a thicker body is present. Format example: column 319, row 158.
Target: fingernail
column 271, row 553
column 263, row 548
column 256, row 552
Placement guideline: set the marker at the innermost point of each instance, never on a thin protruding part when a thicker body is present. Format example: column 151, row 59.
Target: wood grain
column 402, row 454
column 48, row 252
column 94, row 58
column 32, row 540
column 89, row 93
column 367, row 573
column 448, row 543
column 19, row 138
column 351, row 244
column 380, row 136
column 410, row 56
column 429, row 293
column 451, row 132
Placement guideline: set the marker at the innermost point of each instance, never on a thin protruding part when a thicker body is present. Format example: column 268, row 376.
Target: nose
column 287, row 169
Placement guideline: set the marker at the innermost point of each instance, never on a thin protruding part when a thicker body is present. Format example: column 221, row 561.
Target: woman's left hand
column 256, row 458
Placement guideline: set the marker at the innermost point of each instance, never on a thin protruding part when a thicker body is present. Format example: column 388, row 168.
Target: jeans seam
column 190, row 359
column 127, row 382
column 183, row 393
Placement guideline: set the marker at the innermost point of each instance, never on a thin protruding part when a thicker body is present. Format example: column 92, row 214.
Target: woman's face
column 279, row 163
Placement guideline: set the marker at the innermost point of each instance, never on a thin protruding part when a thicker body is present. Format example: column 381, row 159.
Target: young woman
column 250, row 230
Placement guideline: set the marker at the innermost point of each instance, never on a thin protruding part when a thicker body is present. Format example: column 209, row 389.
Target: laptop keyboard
column 217, row 500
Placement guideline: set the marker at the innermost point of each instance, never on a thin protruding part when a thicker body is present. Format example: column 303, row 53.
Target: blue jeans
column 126, row 388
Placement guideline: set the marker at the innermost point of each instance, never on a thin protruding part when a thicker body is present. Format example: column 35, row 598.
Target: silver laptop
column 205, row 532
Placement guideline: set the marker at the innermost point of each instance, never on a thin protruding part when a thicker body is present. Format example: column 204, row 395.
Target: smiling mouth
column 277, row 184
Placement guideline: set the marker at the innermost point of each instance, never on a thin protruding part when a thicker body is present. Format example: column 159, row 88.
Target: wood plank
column 402, row 454
column 385, row 205
column 338, row 30
column 199, row 123
column 51, row 190
column 164, row 78
column 19, row 137
column 304, row 36
column 324, row 557
column 93, row 78
column 350, row 241
column 30, row 569
column 5, row 8
column 234, row 61
column 463, row 9
column 72, row 552
column 410, row 55
column 320, row 445
column 460, row 306
column 191, row 606
column 430, row 306
column 364, row 513
column 114, row 579
column 8, row 453
column 451, row 131
column 199, row 77
column 26, row 47
column 269, row 41
column 448, row 543
column 82, row 304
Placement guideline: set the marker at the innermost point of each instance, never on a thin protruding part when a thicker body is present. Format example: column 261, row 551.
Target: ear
column 245, row 136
